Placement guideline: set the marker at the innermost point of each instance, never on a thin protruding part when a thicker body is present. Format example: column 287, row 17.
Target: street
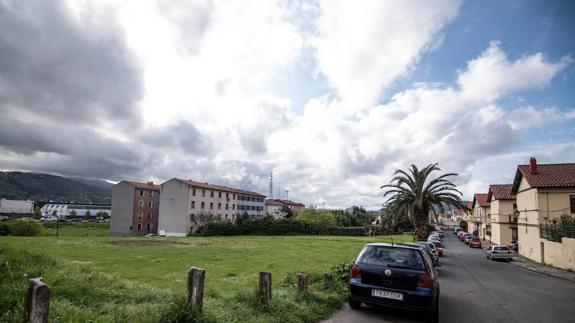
column 474, row 289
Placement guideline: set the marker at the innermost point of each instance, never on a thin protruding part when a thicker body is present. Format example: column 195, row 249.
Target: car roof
column 385, row 244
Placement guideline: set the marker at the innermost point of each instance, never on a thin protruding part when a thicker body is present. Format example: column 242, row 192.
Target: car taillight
column 355, row 272
column 425, row 281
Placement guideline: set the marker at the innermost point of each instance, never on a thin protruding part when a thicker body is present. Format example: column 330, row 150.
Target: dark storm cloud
column 56, row 66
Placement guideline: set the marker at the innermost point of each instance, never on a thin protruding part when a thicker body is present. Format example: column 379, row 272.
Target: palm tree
column 418, row 194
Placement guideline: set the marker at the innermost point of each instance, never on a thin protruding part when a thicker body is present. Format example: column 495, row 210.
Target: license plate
column 387, row 294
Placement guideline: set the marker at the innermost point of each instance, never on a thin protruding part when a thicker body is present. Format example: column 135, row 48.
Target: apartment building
column 186, row 205
column 481, row 210
column 503, row 216
column 545, row 193
column 274, row 207
column 19, row 207
column 135, row 207
column 250, row 203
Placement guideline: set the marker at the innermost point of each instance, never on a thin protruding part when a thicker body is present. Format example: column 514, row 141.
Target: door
column 542, row 252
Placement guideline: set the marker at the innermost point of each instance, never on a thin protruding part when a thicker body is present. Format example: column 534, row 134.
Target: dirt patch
column 145, row 243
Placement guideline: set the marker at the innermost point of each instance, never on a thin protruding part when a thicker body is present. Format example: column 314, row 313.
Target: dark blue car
column 398, row 276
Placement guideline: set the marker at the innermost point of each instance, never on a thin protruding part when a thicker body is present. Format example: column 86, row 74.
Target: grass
column 144, row 279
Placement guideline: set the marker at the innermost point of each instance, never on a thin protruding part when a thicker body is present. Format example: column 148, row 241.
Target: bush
column 463, row 225
column 24, row 227
column 4, row 229
column 348, row 231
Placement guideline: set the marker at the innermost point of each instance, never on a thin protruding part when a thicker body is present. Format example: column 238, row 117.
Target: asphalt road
column 474, row 289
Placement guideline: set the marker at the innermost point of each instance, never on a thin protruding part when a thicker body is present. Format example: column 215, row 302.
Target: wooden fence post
column 196, row 288
column 265, row 290
column 37, row 302
column 302, row 282
column 328, row 280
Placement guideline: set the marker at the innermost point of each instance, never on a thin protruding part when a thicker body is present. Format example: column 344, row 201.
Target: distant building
column 135, row 208
column 72, row 210
column 480, row 207
column 18, row 207
column 186, row 205
column 274, row 207
column 502, row 214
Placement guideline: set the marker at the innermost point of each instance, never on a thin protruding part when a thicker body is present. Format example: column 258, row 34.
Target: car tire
column 354, row 304
column 433, row 315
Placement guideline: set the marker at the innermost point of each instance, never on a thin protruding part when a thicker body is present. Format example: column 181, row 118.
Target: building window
column 192, row 217
column 234, row 196
column 220, row 194
column 226, row 217
column 203, row 193
column 139, row 226
column 211, row 205
column 202, row 205
column 140, row 214
column 233, row 206
column 149, row 215
column 141, row 193
column 148, row 227
column 150, row 204
column 193, row 204
column 572, row 203
column 211, row 193
column 227, row 207
column 193, row 192
column 151, row 193
column 141, row 203
column 219, row 206
column 228, row 196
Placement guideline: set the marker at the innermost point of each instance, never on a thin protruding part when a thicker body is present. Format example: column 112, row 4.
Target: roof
column 548, row 175
column 480, row 199
column 218, row 187
column 283, row 202
column 500, row 192
column 469, row 205
column 146, row 186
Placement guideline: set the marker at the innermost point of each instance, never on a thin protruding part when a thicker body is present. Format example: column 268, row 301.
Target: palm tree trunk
column 422, row 226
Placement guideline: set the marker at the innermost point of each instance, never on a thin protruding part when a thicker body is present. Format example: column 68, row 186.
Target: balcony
column 513, row 218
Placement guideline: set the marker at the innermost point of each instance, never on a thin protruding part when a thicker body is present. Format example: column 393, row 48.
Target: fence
column 557, row 231
column 38, row 296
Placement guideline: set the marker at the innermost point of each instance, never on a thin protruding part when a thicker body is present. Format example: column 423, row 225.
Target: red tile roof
column 218, row 187
column 145, row 186
column 469, row 205
column 500, row 192
column 481, row 200
column 283, row 202
column 548, row 175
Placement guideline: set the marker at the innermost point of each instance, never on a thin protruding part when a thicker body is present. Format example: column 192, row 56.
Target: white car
column 499, row 252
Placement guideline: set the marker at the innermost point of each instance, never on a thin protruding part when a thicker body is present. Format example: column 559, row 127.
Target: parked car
column 429, row 246
column 499, row 252
column 439, row 246
column 433, row 238
column 461, row 234
column 395, row 275
column 456, row 230
column 467, row 237
column 475, row 242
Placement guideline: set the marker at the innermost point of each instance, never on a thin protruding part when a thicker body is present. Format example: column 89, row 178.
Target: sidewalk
column 523, row 262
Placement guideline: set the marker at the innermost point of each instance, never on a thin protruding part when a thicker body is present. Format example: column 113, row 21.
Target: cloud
column 362, row 48
column 528, row 117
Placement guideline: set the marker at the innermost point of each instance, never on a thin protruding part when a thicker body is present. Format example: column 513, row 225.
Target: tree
column 37, row 213
column 418, row 194
column 323, row 219
column 87, row 214
column 463, row 225
column 286, row 211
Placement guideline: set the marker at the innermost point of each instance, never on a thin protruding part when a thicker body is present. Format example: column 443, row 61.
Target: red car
column 475, row 243
column 461, row 234
column 439, row 246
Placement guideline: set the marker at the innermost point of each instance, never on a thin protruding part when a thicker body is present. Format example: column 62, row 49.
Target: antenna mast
column 271, row 192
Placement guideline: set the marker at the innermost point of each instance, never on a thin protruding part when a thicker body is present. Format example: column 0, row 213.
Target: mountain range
column 51, row 188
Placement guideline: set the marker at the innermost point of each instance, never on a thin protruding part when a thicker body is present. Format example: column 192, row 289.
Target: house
column 502, row 214
column 135, row 208
column 74, row 210
column 480, row 208
column 19, row 207
column 545, row 193
column 274, row 207
column 186, row 205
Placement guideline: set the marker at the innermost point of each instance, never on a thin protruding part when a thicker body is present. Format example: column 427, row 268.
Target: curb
column 544, row 272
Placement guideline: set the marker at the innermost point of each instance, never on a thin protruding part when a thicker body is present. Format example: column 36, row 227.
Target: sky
column 332, row 96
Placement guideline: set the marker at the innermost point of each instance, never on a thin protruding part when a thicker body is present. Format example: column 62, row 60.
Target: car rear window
column 500, row 248
column 392, row 257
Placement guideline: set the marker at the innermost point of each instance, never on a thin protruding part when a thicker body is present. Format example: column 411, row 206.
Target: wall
column 228, row 198
column 553, row 202
column 500, row 227
column 173, row 217
column 122, row 208
column 561, row 255
column 153, row 211
column 16, row 206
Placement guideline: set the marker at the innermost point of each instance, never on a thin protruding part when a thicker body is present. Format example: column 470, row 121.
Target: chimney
column 150, row 183
column 533, row 165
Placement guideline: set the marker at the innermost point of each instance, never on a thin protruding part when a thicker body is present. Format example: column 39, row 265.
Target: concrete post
column 302, row 282
column 196, row 288
column 265, row 290
column 37, row 302
column 328, row 280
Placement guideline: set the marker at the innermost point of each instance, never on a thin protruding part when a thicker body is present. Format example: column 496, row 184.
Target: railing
column 557, row 231
column 513, row 218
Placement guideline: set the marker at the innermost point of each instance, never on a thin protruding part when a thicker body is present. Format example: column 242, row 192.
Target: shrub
column 24, row 227
column 341, row 272
column 4, row 229
column 463, row 225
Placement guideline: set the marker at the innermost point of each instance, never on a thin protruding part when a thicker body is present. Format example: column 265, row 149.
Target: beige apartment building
column 545, row 193
column 502, row 214
column 481, row 209
column 186, row 205
column 134, row 208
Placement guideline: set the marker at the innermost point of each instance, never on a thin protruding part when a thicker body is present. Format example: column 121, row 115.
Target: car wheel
column 354, row 304
column 433, row 315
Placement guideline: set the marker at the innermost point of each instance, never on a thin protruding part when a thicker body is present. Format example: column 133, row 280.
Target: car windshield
column 475, row 239
column 500, row 248
column 391, row 257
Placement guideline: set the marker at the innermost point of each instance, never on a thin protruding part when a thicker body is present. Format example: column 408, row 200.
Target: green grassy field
column 144, row 278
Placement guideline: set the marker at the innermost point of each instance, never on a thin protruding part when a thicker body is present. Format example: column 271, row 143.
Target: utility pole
column 287, row 192
column 271, row 192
